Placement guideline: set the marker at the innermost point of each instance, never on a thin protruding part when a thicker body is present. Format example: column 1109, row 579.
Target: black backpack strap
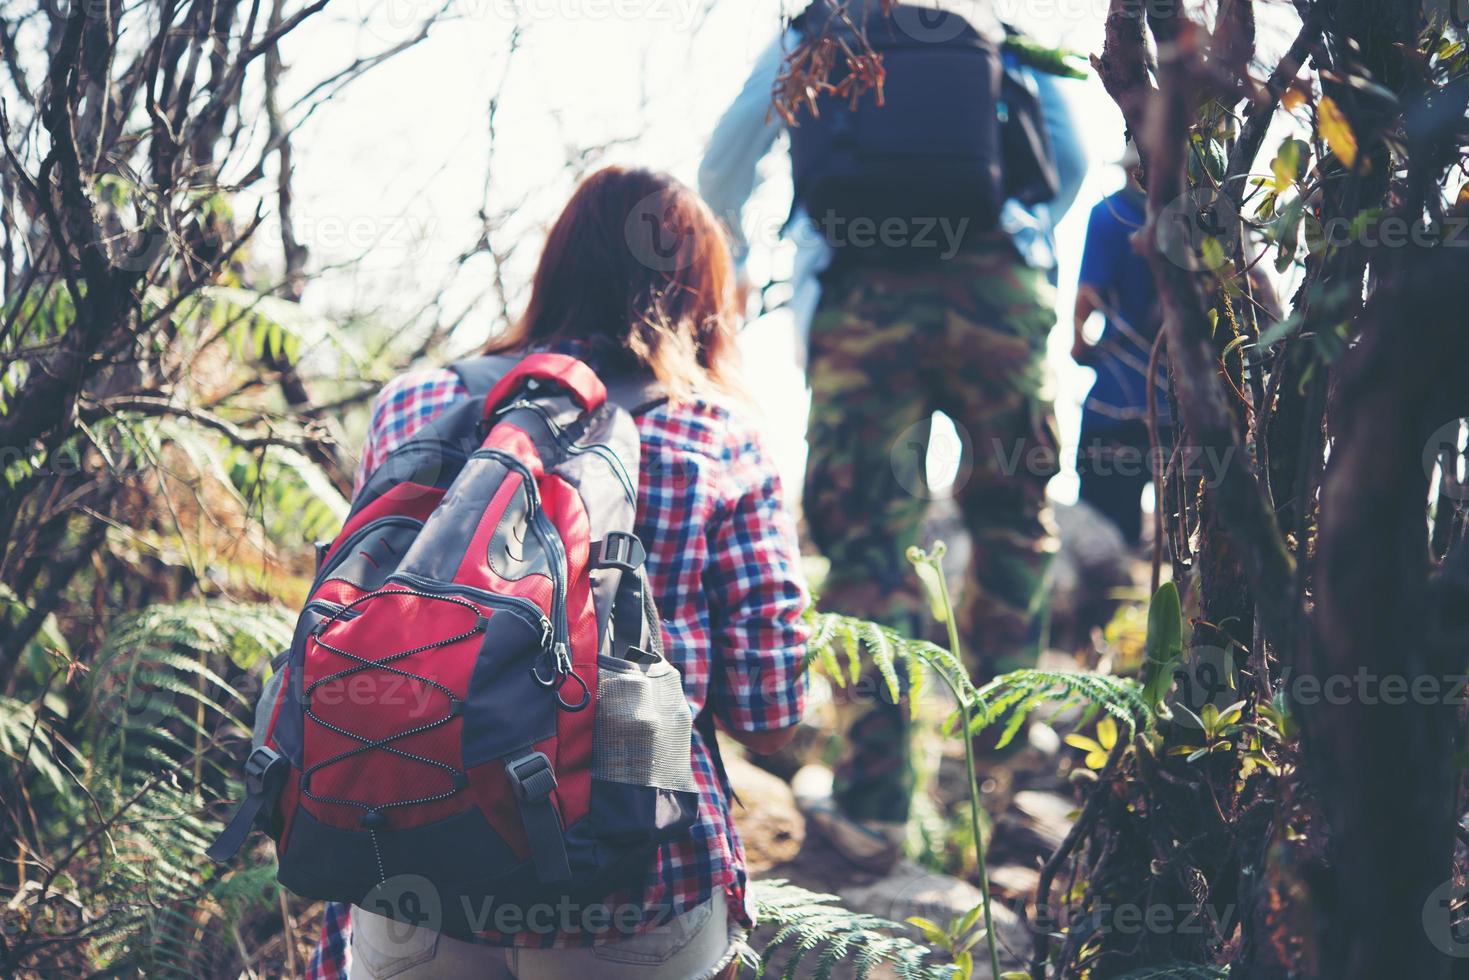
column 265, row 772
column 533, row 779
column 480, row 374
column 636, row 394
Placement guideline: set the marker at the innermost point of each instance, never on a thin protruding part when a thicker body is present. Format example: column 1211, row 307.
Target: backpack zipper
column 613, row 460
column 551, row 541
column 333, row 608
column 596, row 448
column 345, row 548
column 531, row 611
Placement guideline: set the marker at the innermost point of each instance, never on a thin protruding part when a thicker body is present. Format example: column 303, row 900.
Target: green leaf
column 1234, row 345
column 1191, row 716
column 1290, row 161
column 1315, row 234
column 1285, row 229
column 1280, row 330
column 1231, row 714
column 931, row 578
column 931, row 930
column 1212, row 252
column 1164, row 644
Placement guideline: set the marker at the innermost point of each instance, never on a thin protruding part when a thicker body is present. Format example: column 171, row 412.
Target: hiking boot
column 872, row 845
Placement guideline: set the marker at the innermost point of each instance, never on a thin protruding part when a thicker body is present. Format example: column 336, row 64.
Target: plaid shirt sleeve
column 756, row 594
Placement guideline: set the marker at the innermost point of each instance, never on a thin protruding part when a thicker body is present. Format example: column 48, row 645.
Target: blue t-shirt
column 1130, row 304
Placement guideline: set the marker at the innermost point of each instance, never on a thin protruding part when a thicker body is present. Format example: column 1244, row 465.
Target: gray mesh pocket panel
column 643, row 728
column 265, row 707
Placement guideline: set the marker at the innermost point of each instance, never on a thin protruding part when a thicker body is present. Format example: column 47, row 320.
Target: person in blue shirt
column 1113, row 456
column 894, row 338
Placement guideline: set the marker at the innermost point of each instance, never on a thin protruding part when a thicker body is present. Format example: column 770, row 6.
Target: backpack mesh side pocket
column 643, row 727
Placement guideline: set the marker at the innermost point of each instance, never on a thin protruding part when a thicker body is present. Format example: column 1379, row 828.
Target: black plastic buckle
column 263, row 767
column 622, row 550
column 532, row 777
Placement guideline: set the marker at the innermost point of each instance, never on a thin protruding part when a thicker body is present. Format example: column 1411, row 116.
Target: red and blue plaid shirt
column 724, row 565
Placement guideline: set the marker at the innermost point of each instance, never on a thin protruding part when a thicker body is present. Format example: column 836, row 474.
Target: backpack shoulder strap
column 480, row 374
column 636, row 394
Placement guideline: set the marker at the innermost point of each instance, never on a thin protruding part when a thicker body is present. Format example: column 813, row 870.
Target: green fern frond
column 163, row 910
column 810, row 922
column 1007, row 700
column 293, row 496
column 258, row 324
column 154, row 690
column 25, row 740
column 1010, row 698
column 886, row 648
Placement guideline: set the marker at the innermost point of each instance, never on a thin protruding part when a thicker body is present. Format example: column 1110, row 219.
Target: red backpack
column 476, row 700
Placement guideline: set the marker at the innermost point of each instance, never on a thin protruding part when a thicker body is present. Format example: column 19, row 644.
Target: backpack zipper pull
column 549, row 655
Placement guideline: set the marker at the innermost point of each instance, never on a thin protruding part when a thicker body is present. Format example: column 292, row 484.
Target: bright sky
column 395, row 168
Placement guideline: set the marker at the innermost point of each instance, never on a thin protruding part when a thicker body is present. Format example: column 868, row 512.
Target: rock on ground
column 770, row 826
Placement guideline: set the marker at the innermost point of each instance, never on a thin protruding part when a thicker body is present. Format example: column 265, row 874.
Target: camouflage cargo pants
column 888, row 349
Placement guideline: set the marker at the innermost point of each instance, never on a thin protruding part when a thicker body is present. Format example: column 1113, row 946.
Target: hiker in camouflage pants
column 892, row 341
column 888, row 348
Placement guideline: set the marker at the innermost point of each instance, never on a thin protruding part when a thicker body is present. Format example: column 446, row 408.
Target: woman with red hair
column 636, row 279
